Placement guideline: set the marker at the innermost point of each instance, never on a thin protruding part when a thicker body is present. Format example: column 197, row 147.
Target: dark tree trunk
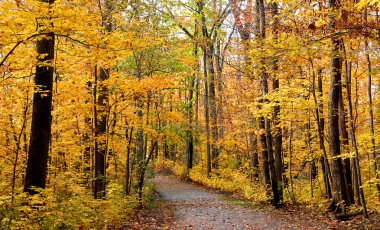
column 208, row 50
column 219, row 59
column 141, row 175
column 128, row 161
column 166, row 148
column 265, row 124
column 273, row 175
column 263, row 138
column 321, row 130
column 345, row 148
column 356, row 166
column 36, row 170
column 276, row 120
column 101, row 147
column 264, row 155
column 321, row 127
column 190, row 114
column 340, row 199
column 212, row 105
column 371, row 120
column 87, row 143
column 252, row 142
column 207, row 119
column 100, row 131
column 139, row 132
column 207, row 87
column 345, row 143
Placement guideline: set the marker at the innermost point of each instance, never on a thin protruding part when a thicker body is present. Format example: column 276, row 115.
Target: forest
column 274, row 101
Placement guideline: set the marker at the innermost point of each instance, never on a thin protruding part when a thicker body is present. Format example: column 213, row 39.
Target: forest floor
column 182, row 205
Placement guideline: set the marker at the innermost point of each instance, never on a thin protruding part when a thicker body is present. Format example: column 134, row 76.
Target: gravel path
column 198, row 208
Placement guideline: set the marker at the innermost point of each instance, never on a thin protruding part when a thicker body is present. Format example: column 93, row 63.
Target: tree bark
column 36, row 170
column 212, row 105
column 356, row 165
column 101, row 129
column 207, row 119
column 100, row 132
column 340, row 199
column 128, row 161
column 190, row 113
column 290, row 146
column 345, row 149
column 276, row 120
column 265, row 124
column 321, row 127
column 371, row 119
column 207, row 100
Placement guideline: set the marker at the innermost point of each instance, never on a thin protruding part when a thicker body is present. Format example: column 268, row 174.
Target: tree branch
column 15, row 46
column 186, row 31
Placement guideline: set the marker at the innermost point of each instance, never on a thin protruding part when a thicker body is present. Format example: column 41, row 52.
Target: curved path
column 198, row 208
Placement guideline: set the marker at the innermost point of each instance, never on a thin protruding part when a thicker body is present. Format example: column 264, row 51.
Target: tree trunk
column 371, row 119
column 139, row 139
column 340, row 199
column 290, row 146
column 86, row 141
column 345, row 150
column 207, row 119
column 101, row 124
column 190, row 114
column 356, row 166
column 276, row 120
column 36, row 170
column 262, row 132
column 252, row 142
column 265, row 122
column 100, row 132
column 128, row 161
column 321, row 126
column 312, row 168
column 206, row 72
column 212, row 105
column 219, row 59
column 264, row 155
column 141, row 174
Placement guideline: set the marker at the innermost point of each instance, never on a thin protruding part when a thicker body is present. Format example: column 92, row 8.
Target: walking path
column 198, row 208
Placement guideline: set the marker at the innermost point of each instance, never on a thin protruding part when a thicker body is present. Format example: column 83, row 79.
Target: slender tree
column 101, row 128
column 277, row 137
column 371, row 117
column 265, row 123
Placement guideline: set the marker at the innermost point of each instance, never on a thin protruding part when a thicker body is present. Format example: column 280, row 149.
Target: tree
column 101, row 144
column 269, row 170
column 340, row 199
column 36, row 171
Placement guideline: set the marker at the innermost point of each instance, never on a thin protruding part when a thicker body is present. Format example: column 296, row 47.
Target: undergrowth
column 69, row 207
column 225, row 180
